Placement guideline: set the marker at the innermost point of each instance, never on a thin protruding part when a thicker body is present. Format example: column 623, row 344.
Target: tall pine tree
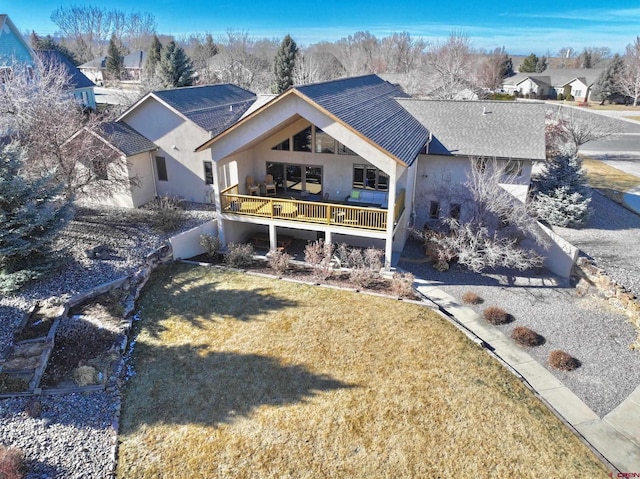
column 114, row 61
column 284, row 64
column 174, row 69
column 606, row 85
column 529, row 64
column 31, row 215
column 154, row 53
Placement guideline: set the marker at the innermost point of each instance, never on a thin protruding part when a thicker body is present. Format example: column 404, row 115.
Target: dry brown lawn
column 239, row 376
column 609, row 180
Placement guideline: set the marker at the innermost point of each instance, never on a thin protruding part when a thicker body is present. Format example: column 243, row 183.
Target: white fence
column 187, row 244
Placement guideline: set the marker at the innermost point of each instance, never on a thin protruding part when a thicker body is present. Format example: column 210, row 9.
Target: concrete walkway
column 616, row 437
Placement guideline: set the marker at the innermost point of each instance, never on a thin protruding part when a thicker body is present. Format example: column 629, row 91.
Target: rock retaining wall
column 595, row 282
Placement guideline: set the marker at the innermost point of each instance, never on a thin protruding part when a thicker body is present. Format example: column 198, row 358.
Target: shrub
column 211, row 243
column 9, row 384
column 402, row 284
column 501, row 97
column 526, row 337
column 561, row 96
column 372, row 258
column 362, row 277
column 495, row 315
column 561, row 360
column 239, row 255
column 279, row 262
column 319, row 255
column 33, row 408
column 471, row 298
column 167, row 213
column 12, row 464
column 85, row 375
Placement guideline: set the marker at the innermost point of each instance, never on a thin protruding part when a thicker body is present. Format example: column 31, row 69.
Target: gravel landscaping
column 73, row 437
column 588, row 328
column 612, row 239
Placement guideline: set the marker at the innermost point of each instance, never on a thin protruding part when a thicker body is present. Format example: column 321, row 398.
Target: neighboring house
column 79, row 85
column 14, row 50
column 576, row 82
column 353, row 160
column 132, row 65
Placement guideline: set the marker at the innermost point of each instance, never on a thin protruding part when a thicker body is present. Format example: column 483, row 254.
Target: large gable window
column 302, row 140
column 283, row 146
column 345, row 150
column 324, row 143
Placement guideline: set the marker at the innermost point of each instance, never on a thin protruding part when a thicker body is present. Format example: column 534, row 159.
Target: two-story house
column 353, row 160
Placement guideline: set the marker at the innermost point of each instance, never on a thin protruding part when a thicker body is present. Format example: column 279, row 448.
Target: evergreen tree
column 48, row 43
column 174, row 69
column 31, row 215
column 562, row 196
column 587, row 59
column 284, row 64
column 529, row 64
column 606, row 86
column 154, row 54
column 541, row 64
column 114, row 62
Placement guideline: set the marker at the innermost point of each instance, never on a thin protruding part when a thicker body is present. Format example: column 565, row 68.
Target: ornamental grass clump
column 495, row 315
column 12, row 463
column 279, row 262
column 402, row 285
column 526, row 337
column 471, row 298
column 562, row 360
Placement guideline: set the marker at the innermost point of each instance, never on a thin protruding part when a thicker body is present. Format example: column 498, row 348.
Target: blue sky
column 537, row 27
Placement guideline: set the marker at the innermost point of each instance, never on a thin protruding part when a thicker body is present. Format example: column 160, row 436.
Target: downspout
column 413, row 215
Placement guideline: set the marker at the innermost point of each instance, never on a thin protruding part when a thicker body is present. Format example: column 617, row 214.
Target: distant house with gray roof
column 132, row 67
column 351, row 160
column 575, row 82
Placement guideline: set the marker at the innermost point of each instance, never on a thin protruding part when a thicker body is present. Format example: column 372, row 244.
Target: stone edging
column 596, row 282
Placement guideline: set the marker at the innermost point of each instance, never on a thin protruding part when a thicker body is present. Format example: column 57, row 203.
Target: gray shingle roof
column 368, row 105
column 558, row 76
column 77, row 79
column 125, row 138
column 482, row 128
column 212, row 107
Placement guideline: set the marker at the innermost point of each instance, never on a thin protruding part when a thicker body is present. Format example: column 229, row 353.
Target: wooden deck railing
column 308, row 211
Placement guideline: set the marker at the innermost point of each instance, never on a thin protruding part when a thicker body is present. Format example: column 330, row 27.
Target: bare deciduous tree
column 568, row 129
column 629, row 78
column 88, row 29
column 41, row 115
column 494, row 225
column 449, row 66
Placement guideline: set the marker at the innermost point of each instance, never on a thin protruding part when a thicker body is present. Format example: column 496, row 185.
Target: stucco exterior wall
column 176, row 139
column 440, row 178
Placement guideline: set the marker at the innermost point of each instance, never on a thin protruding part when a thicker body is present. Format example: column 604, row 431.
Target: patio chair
column 252, row 188
column 270, row 185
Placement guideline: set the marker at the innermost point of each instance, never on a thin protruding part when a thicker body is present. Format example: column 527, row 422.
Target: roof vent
column 230, row 107
column 485, row 111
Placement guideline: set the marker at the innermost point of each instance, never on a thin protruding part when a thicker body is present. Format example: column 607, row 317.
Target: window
column 345, row 150
column 324, row 143
column 302, row 140
column 434, row 210
column 480, row 164
column 161, row 168
column 577, row 93
column 513, row 168
column 208, row 172
column 99, row 168
column 370, row 178
column 284, row 146
column 454, row 211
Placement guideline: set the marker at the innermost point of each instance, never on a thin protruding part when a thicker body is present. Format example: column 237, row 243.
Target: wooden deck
column 328, row 213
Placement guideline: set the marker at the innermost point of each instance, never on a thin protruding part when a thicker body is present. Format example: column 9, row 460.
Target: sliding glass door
column 295, row 179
